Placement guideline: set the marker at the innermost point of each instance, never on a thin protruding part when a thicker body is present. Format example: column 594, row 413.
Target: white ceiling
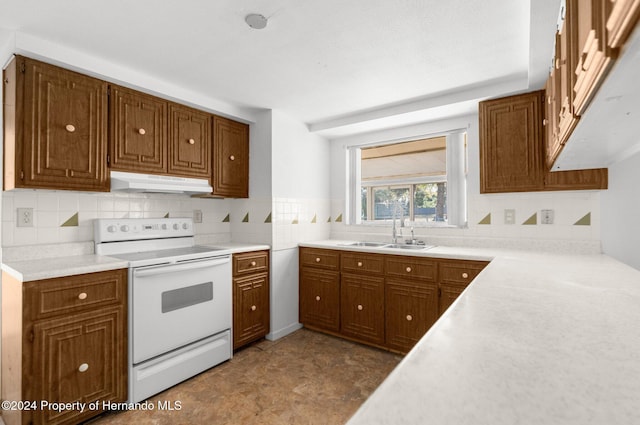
column 340, row 66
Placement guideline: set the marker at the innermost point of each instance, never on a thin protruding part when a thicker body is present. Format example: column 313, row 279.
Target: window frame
column 455, row 178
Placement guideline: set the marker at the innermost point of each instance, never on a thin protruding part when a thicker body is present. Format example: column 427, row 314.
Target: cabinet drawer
column 63, row 295
column 322, row 258
column 461, row 272
column 356, row 262
column 250, row 262
column 412, row 267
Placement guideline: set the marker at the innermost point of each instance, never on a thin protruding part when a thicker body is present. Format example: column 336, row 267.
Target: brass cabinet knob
column 191, row 141
column 70, row 128
column 82, row 296
column 408, row 269
column 83, row 367
column 360, row 307
column 465, row 275
column 232, row 158
column 142, row 131
column 409, row 317
column 359, row 263
column 317, row 297
column 317, row 259
column 253, row 264
column 253, row 308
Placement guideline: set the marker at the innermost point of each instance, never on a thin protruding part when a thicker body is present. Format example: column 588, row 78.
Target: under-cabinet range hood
column 134, row 182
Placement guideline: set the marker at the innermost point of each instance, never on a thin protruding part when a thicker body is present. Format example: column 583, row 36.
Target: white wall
column 300, row 187
column 621, row 212
column 568, row 206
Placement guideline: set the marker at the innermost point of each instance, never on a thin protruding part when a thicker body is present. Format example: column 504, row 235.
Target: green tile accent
column 329, row 220
column 486, row 219
column 339, row 219
column 227, row 219
column 532, row 220
column 295, row 221
column 246, row 218
column 71, row 221
column 268, row 219
column 166, row 215
column 314, row 219
column 584, row 221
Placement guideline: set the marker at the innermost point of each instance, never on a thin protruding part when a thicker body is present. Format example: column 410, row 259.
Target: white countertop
column 47, row 268
column 535, row 339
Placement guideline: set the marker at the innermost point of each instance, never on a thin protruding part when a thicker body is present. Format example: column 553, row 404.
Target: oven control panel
column 127, row 229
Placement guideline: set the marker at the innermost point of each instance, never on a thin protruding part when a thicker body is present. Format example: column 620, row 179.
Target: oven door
column 176, row 304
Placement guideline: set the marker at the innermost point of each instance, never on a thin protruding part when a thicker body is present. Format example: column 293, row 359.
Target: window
column 421, row 180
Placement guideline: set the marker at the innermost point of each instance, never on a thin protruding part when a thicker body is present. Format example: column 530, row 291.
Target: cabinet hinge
column 21, row 174
column 23, row 67
column 31, row 336
column 108, row 90
column 108, row 159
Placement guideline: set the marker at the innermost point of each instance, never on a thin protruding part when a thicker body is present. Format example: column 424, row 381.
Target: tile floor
column 303, row 378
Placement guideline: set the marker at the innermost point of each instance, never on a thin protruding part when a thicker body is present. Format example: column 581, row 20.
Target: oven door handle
column 172, row 268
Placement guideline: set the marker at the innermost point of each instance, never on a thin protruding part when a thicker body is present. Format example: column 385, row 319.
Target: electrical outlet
column 510, row 216
column 25, row 217
column 546, row 217
column 197, row 216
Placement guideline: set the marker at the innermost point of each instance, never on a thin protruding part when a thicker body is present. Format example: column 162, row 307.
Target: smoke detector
column 256, row 21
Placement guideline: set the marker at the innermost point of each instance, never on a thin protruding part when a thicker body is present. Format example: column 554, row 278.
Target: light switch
column 197, row 216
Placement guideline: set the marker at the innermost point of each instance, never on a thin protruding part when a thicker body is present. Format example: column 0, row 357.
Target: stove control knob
column 112, row 229
column 164, row 227
column 176, row 226
column 185, row 226
column 124, row 228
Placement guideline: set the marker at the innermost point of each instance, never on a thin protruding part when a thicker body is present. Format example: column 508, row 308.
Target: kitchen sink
column 371, row 244
column 403, row 246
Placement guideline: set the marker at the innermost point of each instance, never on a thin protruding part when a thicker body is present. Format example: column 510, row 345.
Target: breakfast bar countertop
column 535, row 339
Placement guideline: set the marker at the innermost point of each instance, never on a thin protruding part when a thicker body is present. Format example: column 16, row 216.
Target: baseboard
column 272, row 336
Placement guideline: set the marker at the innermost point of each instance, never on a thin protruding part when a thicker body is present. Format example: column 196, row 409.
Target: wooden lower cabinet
column 64, row 340
column 251, row 310
column 320, row 298
column 362, row 307
column 411, row 308
column 389, row 301
column 455, row 276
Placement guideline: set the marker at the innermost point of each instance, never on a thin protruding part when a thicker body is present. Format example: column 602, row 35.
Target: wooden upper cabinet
column 189, row 141
column 138, row 131
column 512, row 149
column 593, row 55
column 622, row 19
column 553, row 144
column 230, row 158
column 58, row 135
column 511, row 153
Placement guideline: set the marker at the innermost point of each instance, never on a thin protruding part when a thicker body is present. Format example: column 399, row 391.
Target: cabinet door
column 511, row 151
column 448, row 294
column 230, row 158
column 362, row 307
column 138, row 131
column 565, row 64
column 621, row 21
column 552, row 139
column 411, row 308
column 592, row 53
column 79, row 358
column 320, row 298
column 250, row 308
column 189, row 142
column 64, row 143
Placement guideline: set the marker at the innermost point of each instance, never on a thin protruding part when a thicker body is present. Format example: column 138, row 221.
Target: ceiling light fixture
column 256, row 21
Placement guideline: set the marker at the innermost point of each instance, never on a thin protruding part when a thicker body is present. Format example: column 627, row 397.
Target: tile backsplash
column 575, row 223
column 66, row 216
